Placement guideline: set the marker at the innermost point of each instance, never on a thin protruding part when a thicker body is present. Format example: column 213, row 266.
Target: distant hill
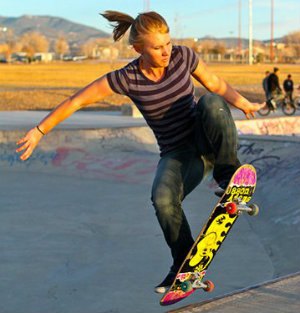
column 74, row 33
column 51, row 27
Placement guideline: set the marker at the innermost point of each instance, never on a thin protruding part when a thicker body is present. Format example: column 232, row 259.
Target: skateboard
column 233, row 202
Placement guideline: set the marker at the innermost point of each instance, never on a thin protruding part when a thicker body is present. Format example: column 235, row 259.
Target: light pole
column 250, row 33
column 146, row 5
column 272, row 32
column 240, row 29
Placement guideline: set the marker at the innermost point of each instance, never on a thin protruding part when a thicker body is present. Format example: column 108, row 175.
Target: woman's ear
column 137, row 48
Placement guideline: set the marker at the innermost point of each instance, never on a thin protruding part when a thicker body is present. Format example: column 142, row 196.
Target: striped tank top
column 167, row 105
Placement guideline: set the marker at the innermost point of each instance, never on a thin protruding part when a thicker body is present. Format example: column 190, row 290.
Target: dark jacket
column 273, row 82
column 288, row 85
column 265, row 84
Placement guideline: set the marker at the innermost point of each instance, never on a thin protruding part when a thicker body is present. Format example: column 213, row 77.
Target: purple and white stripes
column 167, row 105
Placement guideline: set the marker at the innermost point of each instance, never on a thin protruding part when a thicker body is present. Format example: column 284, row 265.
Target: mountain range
column 52, row 27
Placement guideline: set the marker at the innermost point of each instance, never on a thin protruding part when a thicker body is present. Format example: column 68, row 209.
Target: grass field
column 43, row 86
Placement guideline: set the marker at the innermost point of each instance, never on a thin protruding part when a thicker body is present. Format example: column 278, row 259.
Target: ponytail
column 145, row 23
column 120, row 22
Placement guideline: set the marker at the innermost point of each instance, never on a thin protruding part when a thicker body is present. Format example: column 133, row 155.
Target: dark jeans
column 289, row 96
column 181, row 170
column 275, row 96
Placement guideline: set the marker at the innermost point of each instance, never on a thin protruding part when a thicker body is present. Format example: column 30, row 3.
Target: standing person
column 275, row 92
column 288, row 86
column 188, row 133
column 265, row 85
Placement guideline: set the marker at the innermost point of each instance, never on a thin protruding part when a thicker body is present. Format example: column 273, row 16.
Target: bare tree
column 9, row 46
column 34, row 42
column 88, row 47
column 219, row 48
column 61, row 46
column 207, row 46
column 292, row 40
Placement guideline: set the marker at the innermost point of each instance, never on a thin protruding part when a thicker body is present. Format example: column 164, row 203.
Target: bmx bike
column 288, row 108
column 297, row 102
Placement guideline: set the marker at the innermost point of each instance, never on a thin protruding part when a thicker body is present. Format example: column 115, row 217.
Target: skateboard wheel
column 255, row 209
column 231, row 208
column 186, row 286
column 210, row 286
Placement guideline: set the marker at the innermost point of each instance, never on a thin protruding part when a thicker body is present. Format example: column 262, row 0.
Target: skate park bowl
column 79, row 233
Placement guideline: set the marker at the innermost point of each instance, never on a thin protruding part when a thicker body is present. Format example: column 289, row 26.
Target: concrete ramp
column 79, row 234
column 277, row 227
column 279, row 295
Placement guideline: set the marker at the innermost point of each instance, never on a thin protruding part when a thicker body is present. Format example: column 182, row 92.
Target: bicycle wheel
column 288, row 108
column 297, row 102
column 264, row 111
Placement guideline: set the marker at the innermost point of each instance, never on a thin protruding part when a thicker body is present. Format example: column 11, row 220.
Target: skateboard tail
column 174, row 297
column 176, row 294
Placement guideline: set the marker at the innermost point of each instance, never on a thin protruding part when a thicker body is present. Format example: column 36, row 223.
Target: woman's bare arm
column 94, row 92
column 217, row 85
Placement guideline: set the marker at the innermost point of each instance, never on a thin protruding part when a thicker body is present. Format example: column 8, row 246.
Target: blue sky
column 186, row 18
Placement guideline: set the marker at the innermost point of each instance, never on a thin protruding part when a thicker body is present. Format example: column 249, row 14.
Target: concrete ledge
column 130, row 109
column 270, row 126
column 278, row 295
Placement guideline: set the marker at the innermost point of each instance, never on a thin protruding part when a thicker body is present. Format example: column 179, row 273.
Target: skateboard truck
column 238, row 207
column 195, row 282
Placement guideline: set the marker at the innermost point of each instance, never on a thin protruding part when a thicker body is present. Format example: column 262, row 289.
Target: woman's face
column 156, row 49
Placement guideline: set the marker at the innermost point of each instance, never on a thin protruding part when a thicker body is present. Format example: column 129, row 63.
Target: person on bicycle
column 275, row 92
column 288, row 86
column 265, row 85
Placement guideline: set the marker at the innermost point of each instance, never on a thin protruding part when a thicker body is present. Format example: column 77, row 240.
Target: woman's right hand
column 30, row 141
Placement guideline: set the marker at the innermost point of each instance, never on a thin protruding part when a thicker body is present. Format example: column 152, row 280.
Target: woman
column 190, row 135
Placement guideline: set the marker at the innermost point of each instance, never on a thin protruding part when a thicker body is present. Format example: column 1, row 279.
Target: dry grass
column 61, row 75
column 43, row 86
column 245, row 75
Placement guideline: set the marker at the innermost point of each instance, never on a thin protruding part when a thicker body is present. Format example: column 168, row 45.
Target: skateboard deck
column 193, row 269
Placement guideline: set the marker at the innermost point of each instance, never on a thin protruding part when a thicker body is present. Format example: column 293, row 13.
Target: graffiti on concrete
column 9, row 158
column 268, row 161
column 140, row 166
column 121, row 166
column 124, row 167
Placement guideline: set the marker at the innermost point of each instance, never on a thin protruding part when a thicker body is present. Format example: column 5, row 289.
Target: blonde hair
column 143, row 24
